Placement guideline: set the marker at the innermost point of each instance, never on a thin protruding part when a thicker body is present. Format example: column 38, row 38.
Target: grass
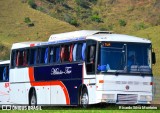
column 85, row 111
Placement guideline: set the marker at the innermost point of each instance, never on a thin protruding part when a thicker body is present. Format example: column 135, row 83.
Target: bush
column 40, row 9
column 140, row 26
column 32, row 4
column 93, row 1
column 122, row 22
column 96, row 18
column 71, row 20
column 74, row 22
column 56, row 1
column 28, row 21
column 83, row 3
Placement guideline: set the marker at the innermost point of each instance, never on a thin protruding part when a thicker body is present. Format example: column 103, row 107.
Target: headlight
column 108, row 96
column 146, row 98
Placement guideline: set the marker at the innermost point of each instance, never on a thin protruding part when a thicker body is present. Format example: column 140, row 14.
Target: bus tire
column 84, row 99
column 33, row 98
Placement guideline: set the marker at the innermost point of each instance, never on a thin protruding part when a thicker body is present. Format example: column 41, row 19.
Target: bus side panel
column 43, row 95
column 4, row 92
column 73, row 88
column 18, row 90
column 67, row 76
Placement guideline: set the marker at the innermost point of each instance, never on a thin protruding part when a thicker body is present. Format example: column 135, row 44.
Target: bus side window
column 6, row 73
column 25, row 57
column 43, row 55
column 79, row 52
column 46, row 56
column 91, row 54
column 32, row 59
column 54, row 54
column 62, row 53
column 71, row 52
column 51, row 55
column 57, row 55
column 19, row 58
column 83, row 51
column 13, row 59
column 1, row 73
column 38, row 57
column 74, row 52
column 65, row 53
column 92, row 49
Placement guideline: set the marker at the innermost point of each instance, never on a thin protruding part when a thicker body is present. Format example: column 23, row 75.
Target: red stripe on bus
column 32, row 45
column 31, row 74
column 59, row 83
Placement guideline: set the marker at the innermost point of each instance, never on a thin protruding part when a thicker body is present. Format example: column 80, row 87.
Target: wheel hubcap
column 33, row 100
column 84, row 99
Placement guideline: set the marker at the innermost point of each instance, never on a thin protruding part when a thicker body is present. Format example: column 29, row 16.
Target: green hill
column 134, row 17
column 14, row 29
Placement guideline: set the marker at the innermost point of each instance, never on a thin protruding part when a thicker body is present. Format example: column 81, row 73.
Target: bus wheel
column 33, row 99
column 84, row 99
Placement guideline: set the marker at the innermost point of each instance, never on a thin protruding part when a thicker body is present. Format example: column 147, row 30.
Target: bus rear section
column 4, row 82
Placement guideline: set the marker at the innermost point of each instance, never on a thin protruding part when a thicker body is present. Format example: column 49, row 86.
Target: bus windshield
column 124, row 57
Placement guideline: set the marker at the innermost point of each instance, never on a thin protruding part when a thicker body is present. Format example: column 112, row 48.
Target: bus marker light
column 32, row 45
column 101, row 81
column 151, row 83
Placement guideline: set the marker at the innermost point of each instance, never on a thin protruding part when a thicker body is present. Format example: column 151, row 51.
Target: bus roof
column 75, row 34
column 83, row 35
column 95, row 35
column 118, row 38
column 24, row 44
column 4, row 62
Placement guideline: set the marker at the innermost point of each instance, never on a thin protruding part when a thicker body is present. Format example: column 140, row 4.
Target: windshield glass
column 124, row 57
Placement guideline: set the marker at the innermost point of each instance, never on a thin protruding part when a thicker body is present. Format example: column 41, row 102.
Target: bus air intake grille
column 127, row 99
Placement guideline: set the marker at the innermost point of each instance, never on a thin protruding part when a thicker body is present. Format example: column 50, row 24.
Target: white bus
column 4, row 82
column 82, row 67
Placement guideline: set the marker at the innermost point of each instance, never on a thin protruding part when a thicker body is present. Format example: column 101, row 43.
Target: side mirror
column 153, row 58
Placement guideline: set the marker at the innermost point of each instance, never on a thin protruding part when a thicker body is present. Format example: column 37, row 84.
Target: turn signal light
column 101, row 81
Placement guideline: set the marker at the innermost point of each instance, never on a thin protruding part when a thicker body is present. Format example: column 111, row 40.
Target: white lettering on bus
column 57, row 71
